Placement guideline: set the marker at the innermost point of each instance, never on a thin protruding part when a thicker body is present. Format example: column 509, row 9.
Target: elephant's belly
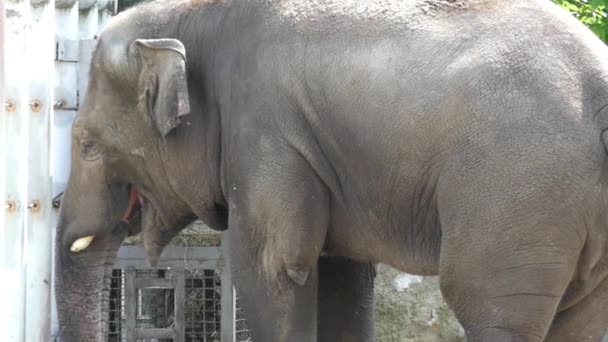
column 413, row 250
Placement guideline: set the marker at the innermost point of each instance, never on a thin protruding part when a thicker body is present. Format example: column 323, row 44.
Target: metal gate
column 178, row 301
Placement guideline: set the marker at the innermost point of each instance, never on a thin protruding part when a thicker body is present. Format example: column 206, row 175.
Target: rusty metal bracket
column 10, row 106
column 10, row 206
column 36, row 106
column 34, row 206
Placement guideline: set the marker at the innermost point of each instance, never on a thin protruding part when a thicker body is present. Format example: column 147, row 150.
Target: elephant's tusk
column 82, row 244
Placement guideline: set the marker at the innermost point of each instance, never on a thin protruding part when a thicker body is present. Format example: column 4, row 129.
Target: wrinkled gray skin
column 459, row 138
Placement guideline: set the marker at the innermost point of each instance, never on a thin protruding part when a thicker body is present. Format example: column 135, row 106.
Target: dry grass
column 195, row 235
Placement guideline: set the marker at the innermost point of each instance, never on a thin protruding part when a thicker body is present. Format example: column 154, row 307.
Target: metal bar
column 143, row 264
column 143, row 283
column 173, row 257
column 149, row 333
column 38, row 240
column 130, row 303
column 14, row 145
column 228, row 304
column 180, row 305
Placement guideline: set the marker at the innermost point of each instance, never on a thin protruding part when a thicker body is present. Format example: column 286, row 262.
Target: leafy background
column 593, row 13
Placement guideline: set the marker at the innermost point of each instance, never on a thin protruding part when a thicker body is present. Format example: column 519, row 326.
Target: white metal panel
column 88, row 29
column 5, row 267
column 66, row 94
column 2, row 141
column 89, row 18
column 103, row 4
column 64, row 4
column 86, row 55
column 38, row 240
column 14, row 126
column 35, row 145
column 2, row 138
column 105, row 14
column 86, row 4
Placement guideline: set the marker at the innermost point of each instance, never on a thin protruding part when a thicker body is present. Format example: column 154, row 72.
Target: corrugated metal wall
column 41, row 45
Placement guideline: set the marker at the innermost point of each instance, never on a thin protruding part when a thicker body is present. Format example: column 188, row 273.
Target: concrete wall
column 410, row 309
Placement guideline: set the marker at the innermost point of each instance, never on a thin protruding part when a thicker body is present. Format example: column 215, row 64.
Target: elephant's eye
column 90, row 150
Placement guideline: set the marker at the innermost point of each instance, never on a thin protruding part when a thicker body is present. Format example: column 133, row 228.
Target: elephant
column 464, row 139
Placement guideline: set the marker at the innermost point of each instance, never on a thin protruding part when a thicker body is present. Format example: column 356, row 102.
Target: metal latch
column 57, row 200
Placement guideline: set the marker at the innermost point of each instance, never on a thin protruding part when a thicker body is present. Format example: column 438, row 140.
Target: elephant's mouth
column 136, row 201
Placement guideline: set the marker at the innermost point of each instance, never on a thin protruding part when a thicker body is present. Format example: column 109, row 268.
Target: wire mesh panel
column 155, row 306
column 116, row 304
column 184, row 295
column 203, row 308
column 241, row 332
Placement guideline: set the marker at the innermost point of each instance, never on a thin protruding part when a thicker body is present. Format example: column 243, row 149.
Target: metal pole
column 228, row 304
column 65, row 103
column 38, row 240
column 14, row 145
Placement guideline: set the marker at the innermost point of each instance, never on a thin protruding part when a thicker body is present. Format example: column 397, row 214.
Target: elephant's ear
column 163, row 81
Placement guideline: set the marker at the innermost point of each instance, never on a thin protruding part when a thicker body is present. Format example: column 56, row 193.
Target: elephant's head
column 145, row 156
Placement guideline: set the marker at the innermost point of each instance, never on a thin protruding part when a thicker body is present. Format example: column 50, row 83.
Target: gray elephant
column 459, row 138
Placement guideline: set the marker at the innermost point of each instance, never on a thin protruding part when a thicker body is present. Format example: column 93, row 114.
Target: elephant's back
column 369, row 17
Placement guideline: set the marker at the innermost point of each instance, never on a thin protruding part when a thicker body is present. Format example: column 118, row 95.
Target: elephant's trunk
column 82, row 286
column 81, row 295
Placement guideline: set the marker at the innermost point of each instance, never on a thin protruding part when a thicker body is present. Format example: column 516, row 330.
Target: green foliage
column 593, row 13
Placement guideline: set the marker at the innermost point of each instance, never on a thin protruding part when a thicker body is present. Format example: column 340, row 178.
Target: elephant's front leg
column 279, row 213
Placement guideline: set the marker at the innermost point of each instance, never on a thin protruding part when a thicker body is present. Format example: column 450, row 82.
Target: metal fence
column 188, row 298
column 178, row 301
column 163, row 294
column 45, row 53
